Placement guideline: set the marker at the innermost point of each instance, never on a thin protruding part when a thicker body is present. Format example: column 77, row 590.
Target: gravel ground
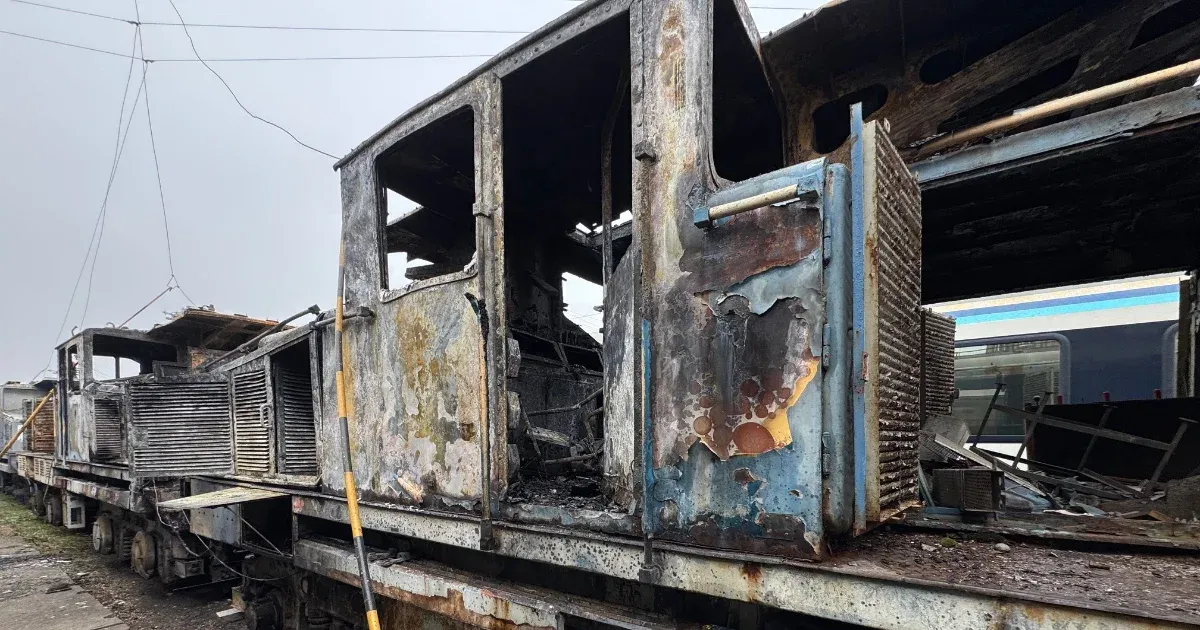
column 142, row 604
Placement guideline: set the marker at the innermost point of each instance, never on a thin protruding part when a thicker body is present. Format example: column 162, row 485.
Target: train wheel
column 102, row 534
column 144, row 554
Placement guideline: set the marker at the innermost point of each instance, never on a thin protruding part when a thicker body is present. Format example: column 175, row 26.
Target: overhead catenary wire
column 247, row 59
column 76, row 11
column 117, row 151
column 101, row 218
column 234, row 94
column 284, row 27
column 162, row 200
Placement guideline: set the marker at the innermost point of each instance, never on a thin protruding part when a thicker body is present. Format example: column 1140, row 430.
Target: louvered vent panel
column 898, row 260
column 180, row 428
column 937, row 371
column 41, row 432
column 299, row 430
column 252, row 432
column 110, row 437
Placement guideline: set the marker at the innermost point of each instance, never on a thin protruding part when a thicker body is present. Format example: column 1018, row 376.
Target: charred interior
column 567, row 183
column 433, row 168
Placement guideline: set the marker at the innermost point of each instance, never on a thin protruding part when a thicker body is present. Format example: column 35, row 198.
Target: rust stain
column 451, row 606
column 756, row 421
column 743, row 476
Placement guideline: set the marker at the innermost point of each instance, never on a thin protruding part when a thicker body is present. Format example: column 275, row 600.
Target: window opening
column 428, row 180
column 1028, row 369
column 1169, row 20
column 831, row 121
column 70, row 361
column 747, row 132
column 122, row 358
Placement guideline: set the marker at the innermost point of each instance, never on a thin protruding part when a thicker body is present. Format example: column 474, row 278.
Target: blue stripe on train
column 1093, row 299
column 1062, row 309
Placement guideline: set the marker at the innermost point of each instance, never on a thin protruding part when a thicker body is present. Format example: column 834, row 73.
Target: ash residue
column 576, row 492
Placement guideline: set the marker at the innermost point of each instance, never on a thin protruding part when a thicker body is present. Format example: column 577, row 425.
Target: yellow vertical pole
column 360, row 549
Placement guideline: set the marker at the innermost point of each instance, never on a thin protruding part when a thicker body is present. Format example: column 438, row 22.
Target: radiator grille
column 972, row 489
column 897, row 231
column 299, row 430
column 180, row 428
column 110, row 438
column 36, row 468
column 251, row 420
column 41, row 432
column 937, row 368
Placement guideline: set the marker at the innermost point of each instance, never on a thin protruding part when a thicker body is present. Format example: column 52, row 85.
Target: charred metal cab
column 756, row 386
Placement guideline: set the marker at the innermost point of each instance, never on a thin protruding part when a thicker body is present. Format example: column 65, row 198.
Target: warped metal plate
column 228, row 496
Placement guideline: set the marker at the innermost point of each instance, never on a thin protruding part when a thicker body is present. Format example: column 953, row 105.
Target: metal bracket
column 487, row 536
column 826, row 351
column 644, row 152
column 826, row 239
column 650, row 573
column 826, row 456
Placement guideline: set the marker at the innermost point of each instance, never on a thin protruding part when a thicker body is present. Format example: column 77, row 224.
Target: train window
column 747, row 136
column 1028, row 369
column 114, row 357
column 70, row 367
column 427, row 202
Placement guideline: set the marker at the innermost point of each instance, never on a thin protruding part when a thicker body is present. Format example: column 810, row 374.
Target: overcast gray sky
column 253, row 217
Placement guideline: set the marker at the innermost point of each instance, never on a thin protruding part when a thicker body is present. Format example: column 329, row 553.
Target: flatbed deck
column 1152, row 584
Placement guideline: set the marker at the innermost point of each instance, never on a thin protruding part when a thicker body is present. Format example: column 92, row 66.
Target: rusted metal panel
column 75, row 427
column 860, row 593
column 181, row 427
column 620, row 460
column 887, row 292
column 735, row 319
column 894, row 247
column 461, row 597
column 42, row 431
column 252, row 439
column 108, row 495
column 937, row 363
column 38, row 467
column 420, row 391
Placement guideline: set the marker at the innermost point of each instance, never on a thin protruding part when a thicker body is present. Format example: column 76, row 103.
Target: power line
column 234, row 95
column 95, row 15
column 117, row 151
column 354, row 29
column 53, row 41
column 350, row 58
column 228, row 59
column 279, row 27
column 162, row 200
column 101, row 219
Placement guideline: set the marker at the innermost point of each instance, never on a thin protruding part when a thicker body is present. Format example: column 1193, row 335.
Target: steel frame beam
column 1181, row 107
column 849, row 594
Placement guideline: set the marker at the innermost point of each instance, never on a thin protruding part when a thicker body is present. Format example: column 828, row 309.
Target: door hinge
column 826, row 238
column 825, row 350
column 826, row 457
